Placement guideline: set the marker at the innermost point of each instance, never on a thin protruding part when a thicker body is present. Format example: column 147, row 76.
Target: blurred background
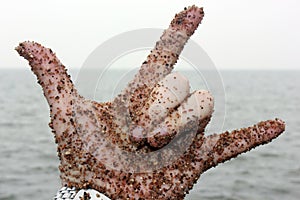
column 253, row 44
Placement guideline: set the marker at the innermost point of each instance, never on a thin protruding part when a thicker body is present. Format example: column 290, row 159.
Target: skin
column 119, row 148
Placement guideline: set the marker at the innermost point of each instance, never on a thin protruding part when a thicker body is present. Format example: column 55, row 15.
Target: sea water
column 29, row 163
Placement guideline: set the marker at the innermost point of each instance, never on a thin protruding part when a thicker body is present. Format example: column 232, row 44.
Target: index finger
column 162, row 58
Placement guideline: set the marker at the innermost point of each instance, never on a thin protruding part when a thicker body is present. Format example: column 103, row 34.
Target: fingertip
column 137, row 135
column 188, row 19
column 159, row 137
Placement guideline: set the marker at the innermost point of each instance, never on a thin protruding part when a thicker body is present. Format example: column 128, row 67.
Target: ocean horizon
column 29, row 162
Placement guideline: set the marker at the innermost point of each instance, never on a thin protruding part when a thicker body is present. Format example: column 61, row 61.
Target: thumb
column 56, row 83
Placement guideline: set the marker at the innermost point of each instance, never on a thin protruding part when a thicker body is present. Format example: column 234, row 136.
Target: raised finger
column 207, row 152
column 162, row 58
column 223, row 147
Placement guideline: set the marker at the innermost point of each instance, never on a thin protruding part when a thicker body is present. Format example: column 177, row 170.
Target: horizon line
column 222, row 69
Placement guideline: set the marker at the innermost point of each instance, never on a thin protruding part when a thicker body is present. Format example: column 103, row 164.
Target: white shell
column 95, row 195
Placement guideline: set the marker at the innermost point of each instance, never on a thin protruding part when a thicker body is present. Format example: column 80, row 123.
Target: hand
column 149, row 141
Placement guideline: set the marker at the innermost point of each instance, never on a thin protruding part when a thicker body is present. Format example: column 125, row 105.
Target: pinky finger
column 223, row 147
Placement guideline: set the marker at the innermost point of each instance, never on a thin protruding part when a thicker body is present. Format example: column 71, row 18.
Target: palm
column 149, row 141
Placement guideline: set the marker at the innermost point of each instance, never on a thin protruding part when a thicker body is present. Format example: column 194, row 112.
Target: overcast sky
column 239, row 34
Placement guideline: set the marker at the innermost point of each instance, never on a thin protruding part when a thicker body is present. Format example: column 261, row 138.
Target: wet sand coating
column 128, row 149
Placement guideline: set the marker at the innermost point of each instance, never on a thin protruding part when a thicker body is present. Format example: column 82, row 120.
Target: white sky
column 239, row 34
